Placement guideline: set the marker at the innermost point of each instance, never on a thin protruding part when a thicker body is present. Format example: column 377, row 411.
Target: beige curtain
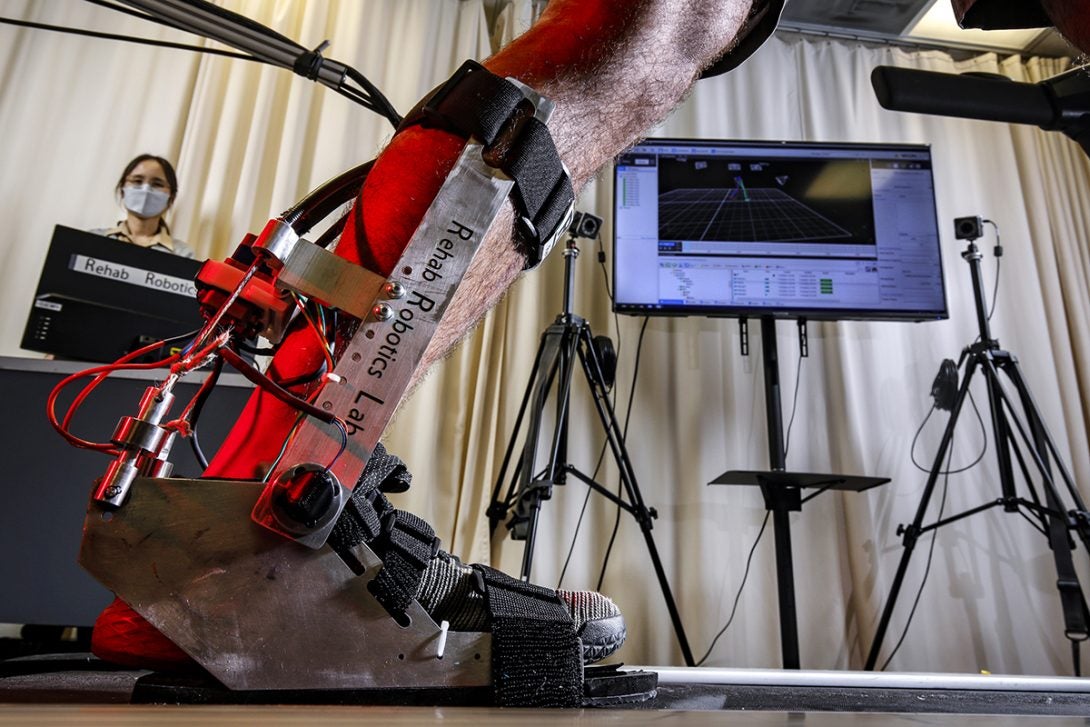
column 249, row 140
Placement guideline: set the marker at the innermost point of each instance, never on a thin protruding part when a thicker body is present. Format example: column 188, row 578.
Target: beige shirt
column 161, row 240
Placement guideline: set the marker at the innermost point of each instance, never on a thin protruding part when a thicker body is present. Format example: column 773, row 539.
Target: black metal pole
column 781, row 524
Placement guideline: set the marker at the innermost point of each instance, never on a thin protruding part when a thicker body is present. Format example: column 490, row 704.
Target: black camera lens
column 968, row 228
column 584, row 224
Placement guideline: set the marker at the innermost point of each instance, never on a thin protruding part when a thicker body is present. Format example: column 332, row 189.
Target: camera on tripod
column 968, row 228
column 584, row 224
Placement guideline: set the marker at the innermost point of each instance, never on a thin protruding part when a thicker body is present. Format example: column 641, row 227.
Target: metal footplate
column 271, row 621
column 377, row 364
column 256, row 610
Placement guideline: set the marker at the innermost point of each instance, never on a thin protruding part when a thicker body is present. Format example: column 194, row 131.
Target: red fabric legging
column 398, row 192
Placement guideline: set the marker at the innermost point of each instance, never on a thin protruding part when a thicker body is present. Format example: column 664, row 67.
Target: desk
column 47, row 482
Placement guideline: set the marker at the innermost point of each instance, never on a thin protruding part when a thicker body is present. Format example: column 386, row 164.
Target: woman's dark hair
column 168, row 170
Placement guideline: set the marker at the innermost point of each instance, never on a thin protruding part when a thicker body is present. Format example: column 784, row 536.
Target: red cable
column 100, row 373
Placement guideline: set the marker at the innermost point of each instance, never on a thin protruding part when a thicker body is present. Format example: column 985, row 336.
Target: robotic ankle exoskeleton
column 275, row 607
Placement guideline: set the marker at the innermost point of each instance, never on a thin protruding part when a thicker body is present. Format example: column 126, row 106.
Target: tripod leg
column 557, row 358
column 497, row 508
column 1072, row 600
column 1046, row 445
column 913, row 531
column 593, row 370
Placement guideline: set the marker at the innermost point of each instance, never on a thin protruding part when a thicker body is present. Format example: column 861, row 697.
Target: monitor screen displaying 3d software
column 793, row 229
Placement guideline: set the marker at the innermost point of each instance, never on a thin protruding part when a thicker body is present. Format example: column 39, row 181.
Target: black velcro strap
column 412, row 539
column 360, row 523
column 404, row 542
column 482, row 106
column 474, row 102
column 543, row 187
column 385, row 472
column 536, row 656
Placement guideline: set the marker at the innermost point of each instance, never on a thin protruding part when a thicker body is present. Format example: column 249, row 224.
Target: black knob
column 305, row 498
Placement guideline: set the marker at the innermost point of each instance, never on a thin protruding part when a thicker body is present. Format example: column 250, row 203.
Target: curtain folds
column 249, row 140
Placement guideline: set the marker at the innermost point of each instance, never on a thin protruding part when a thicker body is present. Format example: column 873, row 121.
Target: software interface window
column 729, row 226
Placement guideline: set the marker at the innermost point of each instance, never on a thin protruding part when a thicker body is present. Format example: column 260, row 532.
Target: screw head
column 382, row 312
column 394, row 290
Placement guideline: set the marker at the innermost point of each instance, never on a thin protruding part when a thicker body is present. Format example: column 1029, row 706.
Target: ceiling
column 924, row 22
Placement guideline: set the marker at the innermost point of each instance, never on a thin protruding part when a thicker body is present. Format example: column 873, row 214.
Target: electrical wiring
column 343, row 430
column 624, row 437
column 99, row 373
column 738, row 593
column 178, row 364
column 273, row 388
column 927, row 567
column 974, row 463
column 794, row 406
column 998, row 250
column 127, row 39
column 330, row 365
column 283, row 447
column 761, row 532
column 192, row 412
column 363, row 92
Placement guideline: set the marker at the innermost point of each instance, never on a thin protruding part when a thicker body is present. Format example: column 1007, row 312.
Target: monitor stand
column 782, row 490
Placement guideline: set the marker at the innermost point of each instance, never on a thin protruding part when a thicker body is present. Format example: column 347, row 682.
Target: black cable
column 624, row 438
column 334, row 231
column 738, row 594
column 129, row 39
column 974, row 463
column 135, row 13
column 998, row 250
column 273, row 388
column 930, row 554
column 202, row 396
column 578, row 525
column 609, row 288
column 370, row 97
column 382, row 104
column 794, row 406
column 230, row 17
column 995, row 288
column 256, row 350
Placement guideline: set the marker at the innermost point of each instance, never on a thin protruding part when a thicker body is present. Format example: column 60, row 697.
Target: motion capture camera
column 584, row 224
column 968, row 228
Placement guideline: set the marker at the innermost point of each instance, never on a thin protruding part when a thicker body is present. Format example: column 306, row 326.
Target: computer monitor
column 100, row 298
column 786, row 229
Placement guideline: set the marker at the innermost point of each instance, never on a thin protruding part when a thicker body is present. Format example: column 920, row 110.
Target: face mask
column 145, row 202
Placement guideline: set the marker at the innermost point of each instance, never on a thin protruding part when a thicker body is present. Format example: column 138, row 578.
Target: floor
column 290, row 716
column 75, row 689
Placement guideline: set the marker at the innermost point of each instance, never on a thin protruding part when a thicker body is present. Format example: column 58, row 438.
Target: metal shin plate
column 377, row 364
column 259, row 611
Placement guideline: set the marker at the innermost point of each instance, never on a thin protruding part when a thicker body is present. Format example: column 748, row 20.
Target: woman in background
column 147, row 189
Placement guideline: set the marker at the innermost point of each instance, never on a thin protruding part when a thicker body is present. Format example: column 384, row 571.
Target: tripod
column 1021, row 439
column 564, row 344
